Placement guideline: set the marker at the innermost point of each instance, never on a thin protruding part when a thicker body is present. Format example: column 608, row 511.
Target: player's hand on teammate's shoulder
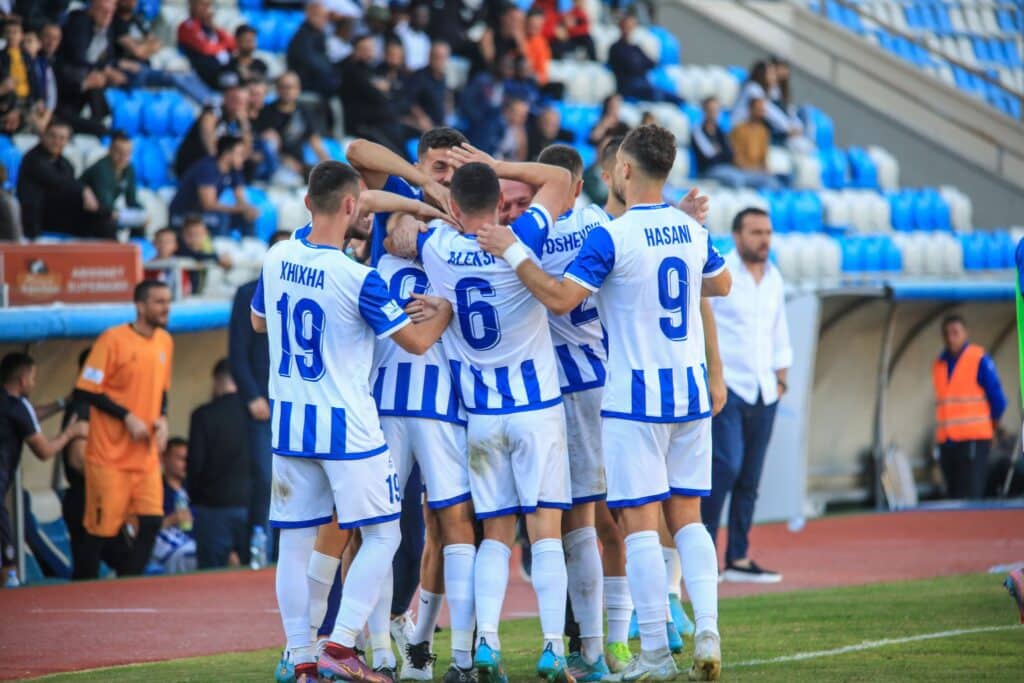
column 424, row 307
column 695, row 205
column 438, row 196
column 495, row 239
column 467, row 154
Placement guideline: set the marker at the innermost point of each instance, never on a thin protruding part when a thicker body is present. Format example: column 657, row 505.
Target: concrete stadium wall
column 194, row 357
column 938, row 135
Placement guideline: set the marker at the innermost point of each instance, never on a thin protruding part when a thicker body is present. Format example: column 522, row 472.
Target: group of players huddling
column 570, row 387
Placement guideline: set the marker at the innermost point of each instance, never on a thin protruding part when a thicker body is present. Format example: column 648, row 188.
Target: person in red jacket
column 207, row 47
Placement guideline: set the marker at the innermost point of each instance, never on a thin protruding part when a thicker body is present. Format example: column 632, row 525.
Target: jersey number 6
column 478, row 319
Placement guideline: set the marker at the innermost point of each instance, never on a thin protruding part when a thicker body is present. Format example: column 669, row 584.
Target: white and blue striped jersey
column 404, row 384
column 579, row 338
column 323, row 311
column 649, row 264
column 499, row 345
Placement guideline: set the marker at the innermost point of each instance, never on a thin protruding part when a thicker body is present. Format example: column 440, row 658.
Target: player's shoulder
column 164, row 337
column 439, row 235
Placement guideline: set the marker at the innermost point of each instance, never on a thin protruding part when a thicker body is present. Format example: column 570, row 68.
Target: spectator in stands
column 19, row 89
column 232, row 118
column 113, row 178
column 510, row 37
column 753, row 337
column 514, row 143
column 85, row 67
column 597, row 176
column 377, row 24
column 244, row 61
column 165, row 241
column 249, row 358
column 576, row 23
column 207, row 47
column 969, row 401
column 535, row 47
column 750, row 141
column 631, row 65
column 200, row 189
column 288, row 126
column 10, row 212
column 713, row 153
column 307, row 53
column 393, row 75
column 427, row 92
column 218, row 473
column 125, row 381
column 174, row 551
column 19, row 426
column 546, row 129
column 480, row 104
column 38, row 13
column 366, row 100
column 411, row 28
column 610, row 124
column 51, row 199
column 135, row 44
column 196, row 244
column 43, row 74
column 760, row 84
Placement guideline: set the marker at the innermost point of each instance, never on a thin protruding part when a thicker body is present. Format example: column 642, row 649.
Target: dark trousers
column 262, row 472
column 965, row 467
column 406, row 564
column 126, row 555
column 739, row 437
column 218, row 531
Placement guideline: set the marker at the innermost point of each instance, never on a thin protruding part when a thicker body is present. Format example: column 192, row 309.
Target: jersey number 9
column 673, row 294
column 307, row 319
column 478, row 319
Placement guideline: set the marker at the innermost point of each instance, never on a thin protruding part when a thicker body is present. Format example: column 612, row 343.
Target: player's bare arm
column 554, row 184
column 259, row 323
column 420, row 336
column 719, row 285
column 716, row 372
column 379, row 201
column 559, row 295
column 376, row 162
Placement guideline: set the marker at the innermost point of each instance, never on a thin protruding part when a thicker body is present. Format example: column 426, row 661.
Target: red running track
column 55, row 628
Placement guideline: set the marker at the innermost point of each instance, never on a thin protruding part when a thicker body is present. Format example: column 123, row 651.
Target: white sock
column 459, row 559
column 426, row 616
column 645, row 569
column 292, row 587
column 363, row 581
column 619, row 605
column 320, row 575
column 379, row 623
column 550, row 582
column 586, row 588
column 673, row 569
column 490, row 579
column 700, row 572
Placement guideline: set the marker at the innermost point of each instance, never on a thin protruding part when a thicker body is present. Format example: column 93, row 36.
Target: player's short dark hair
column 226, row 143
column 176, row 441
column 329, row 182
column 13, row 365
column 737, row 221
column 952, row 319
column 610, row 149
column 653, row 148
column 221, row 368
column 279, row 236
column 243, row 29
column 442, row 137
column 475, row 188
column 142, row 290
column 562, row 156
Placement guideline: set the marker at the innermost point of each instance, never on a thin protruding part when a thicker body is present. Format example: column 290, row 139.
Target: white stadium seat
column 806, row 172
column 155, row 208
column 780, row 161
column 960, row 208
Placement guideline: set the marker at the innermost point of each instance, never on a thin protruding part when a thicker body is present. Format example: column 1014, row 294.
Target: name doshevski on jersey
column 570, row 242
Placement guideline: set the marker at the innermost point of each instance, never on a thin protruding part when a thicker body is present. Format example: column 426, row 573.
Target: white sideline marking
column 870, row 645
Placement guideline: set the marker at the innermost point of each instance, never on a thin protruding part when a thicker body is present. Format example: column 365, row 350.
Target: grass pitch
column 798, row 636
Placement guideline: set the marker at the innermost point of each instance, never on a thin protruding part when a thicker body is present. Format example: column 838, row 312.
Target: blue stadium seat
column 182, row 117
column 901, row 210
column 149, row 8
column 151, row 166
column 128, row 115
column 974, row 256
column 892, row 259
column 10, row 157
column 156, row 114
column 863, row 173
column 669, row 45
column 738, row 71
column 660, row 80
column 780, row 206
column 146, row 248
column 834, row 168
column 808, row 213
column 852, row 249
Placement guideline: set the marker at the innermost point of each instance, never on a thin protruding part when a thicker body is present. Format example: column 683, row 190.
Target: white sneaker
column 648, row 666
column 417, row 662
column 707, row 657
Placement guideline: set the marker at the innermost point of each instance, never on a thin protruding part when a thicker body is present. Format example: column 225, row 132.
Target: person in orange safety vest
column 969, row 401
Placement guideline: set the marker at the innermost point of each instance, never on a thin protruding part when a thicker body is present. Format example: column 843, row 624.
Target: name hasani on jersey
column 649, row 264
column 579, row 338
column 499, row 345
column 323, row 312
column 404, row 384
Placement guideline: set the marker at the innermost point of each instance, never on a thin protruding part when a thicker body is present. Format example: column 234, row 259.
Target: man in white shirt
column 754, row 341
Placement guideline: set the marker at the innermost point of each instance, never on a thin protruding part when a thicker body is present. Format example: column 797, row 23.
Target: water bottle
column 258, row 548
column 180, row 504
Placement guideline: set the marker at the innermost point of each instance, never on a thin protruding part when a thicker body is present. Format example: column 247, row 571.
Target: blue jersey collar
column 648, row 207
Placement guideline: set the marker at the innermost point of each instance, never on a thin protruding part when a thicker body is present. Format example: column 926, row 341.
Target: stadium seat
column 146, row 249
column 128, row 114
column 10, row 157
column 156, row 113
column 669, row 52
column 156, row 209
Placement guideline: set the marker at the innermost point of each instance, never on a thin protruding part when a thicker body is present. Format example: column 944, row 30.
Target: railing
column 823, row 7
